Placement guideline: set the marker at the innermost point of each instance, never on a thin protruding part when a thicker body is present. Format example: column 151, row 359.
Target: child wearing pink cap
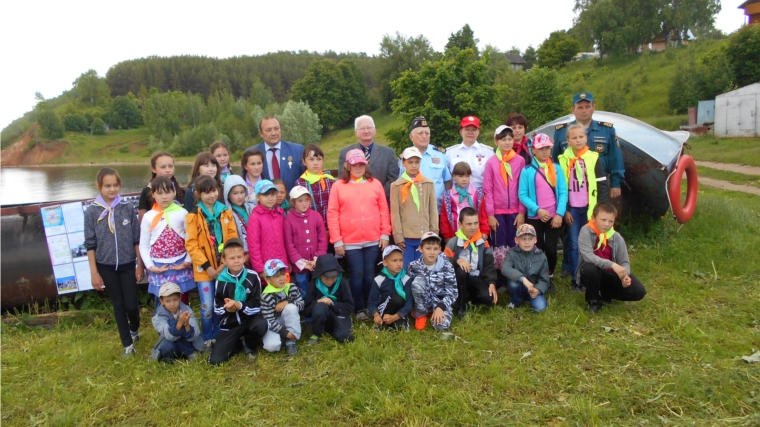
column 359, row 224
column 543, row 192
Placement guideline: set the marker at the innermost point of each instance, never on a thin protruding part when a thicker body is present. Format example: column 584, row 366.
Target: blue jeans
column 209, row 320
column 519, row 293
column 411, row 253
column 302, row 281
column 361, row 266
column 570, row 242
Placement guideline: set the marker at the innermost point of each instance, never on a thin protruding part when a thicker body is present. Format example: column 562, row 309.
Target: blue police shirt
column 602, row 139
column 434, row 167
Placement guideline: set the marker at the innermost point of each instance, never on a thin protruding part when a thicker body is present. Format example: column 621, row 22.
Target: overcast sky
column 47, row 45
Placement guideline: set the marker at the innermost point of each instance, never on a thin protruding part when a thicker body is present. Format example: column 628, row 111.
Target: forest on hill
column 186, row 102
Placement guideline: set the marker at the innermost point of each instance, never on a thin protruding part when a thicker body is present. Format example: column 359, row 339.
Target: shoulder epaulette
column 558, row 127
column 608, row 124
column 441, row 149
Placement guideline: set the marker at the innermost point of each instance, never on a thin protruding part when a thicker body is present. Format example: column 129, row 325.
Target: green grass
column 671, row 359
column 732, row 177
column 332, row 141
column 115, row 146
column 743, row 151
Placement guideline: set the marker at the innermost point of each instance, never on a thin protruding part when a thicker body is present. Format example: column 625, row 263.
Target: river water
column 51, row 184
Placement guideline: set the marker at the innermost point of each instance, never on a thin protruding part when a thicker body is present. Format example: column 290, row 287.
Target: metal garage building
column 736, row 112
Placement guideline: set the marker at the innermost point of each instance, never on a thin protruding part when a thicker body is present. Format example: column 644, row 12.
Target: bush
column 98, row 127
column 542, row 99
column 75, row 123
column 50, row 124
column 743, row 51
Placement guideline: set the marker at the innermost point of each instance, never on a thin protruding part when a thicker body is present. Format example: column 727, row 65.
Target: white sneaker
column 512, row 306
column 129, row 351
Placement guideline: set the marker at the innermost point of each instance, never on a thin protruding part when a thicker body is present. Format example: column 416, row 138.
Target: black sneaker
column 594, row 306
column 574, row 287
column 291, row 348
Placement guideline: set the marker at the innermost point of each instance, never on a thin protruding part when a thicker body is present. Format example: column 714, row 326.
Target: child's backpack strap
column 538, row 172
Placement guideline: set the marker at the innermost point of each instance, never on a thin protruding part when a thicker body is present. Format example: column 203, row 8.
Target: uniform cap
column 583, row 96
column 418, row 122
column 470, row 121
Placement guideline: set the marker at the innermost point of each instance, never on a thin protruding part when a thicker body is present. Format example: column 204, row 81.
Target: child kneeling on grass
column 237, row 302
column 473, row 263
column 390, row 298
column 434, row 285
column 178, row 332
column 281, row 304
column 329, row 302
column 527, row 270
column 603, row 266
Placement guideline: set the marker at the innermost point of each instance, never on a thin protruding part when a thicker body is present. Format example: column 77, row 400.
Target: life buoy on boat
column 683, row 213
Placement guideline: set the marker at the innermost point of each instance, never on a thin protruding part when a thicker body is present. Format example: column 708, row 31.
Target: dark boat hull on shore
column 649, row 156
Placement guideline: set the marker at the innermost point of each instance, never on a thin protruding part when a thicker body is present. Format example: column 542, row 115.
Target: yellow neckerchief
column 312, row 178
column 603, row 237
column 477, row 236
column 357, row 180
column 173, row 207
column 410, row 183
column 551, row 172
column 578, row 172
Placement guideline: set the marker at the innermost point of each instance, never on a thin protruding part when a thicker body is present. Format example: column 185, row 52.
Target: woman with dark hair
column 359, row 222
column 519, row 125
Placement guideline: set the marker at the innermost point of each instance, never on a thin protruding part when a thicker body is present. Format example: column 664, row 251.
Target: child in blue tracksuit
column 543, row 192
column 390, row 297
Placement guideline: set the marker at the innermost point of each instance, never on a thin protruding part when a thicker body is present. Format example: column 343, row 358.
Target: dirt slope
column 19, row 154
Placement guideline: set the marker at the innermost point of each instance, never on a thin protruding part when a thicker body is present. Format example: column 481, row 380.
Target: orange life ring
column 683, row 213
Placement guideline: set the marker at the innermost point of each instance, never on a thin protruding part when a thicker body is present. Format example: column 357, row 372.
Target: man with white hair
column 381, row 160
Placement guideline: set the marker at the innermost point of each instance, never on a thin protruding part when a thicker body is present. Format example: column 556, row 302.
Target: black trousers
column 606, row 285
column 471, row 289
column 323, row 319
column 547, row 240
column 121, row 287
column 252, row 331
column 392, row 306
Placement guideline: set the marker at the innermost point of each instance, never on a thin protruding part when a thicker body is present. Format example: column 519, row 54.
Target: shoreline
column 61, row 165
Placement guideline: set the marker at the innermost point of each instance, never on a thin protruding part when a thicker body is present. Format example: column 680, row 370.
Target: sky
column 46, row 45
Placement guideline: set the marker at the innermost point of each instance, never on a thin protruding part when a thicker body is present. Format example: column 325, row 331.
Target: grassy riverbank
column 671, row 359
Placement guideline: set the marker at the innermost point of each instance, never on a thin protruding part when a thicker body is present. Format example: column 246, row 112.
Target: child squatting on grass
column 281, row 305
column 604, row 268
column 237, row 302
column 473, row 263
column 178, row 332
column 434, row 285
column 527, row 270
column 390, row 298
column 329, row 302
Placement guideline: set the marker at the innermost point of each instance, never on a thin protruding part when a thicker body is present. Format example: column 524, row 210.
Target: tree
column 463, row 39
column 541, row 99
column 75, row 123
column 457, row 85
column 742, row 52
column 398, row 54
column 195, row 110
column 600, row 20
column 558, row 49
column 124, row 113
column 163, row 113
column 680, row 16
column 336, row 92
column 50, row 124
column 260, row 94
column 530, row 57
column 91, row 89
column 299, row 123
column 98, row 127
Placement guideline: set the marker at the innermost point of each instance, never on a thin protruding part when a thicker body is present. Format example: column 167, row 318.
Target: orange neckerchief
column 551, row 172
column 357, row 180
column 161, row 212
column 477, row 236
column 603, row 237
column 583, row 151
column 505, row 168
column 407, row 185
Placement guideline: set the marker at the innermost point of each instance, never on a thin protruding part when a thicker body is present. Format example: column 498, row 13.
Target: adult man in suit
column 381, row 160
column 282, row 159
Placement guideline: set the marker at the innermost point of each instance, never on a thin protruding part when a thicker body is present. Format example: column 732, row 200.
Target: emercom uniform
column 602, row 140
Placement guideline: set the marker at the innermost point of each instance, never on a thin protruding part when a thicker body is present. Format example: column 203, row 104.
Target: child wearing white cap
column 390, row 298
column 414, row 209
column 305, row 236
column 178, row 332
column 434, row 285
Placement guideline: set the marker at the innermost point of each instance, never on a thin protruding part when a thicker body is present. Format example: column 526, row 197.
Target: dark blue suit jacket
column 290, row 152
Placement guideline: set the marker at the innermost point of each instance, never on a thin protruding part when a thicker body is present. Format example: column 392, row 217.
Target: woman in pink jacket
column 359, row 222
column 501, row 179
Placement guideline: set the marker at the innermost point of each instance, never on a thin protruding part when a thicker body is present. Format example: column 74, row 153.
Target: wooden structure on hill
column 517, row 61
column 752, row 10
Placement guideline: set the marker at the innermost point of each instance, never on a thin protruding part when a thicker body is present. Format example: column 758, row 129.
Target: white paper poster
column 73, row 216
column 52, row 220
column 65, row 278
column 84, row 279
column 59, row 249
column 76, row 246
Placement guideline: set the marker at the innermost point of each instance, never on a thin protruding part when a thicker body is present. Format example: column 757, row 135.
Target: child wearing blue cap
column 281, row 304
column 390, row 297
column 265, row 236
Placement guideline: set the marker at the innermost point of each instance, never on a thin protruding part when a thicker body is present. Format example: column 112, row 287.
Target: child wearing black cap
column 390, row 298
column 329, row 302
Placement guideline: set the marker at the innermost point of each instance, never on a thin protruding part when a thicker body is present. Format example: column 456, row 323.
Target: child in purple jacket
column 305, row 236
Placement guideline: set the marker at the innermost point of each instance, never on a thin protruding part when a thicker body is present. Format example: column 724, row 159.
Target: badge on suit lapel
column 290, row 162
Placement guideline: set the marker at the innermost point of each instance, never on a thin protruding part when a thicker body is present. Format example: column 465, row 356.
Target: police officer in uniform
column 434, row 165
column 601, row 138
column 470, row 150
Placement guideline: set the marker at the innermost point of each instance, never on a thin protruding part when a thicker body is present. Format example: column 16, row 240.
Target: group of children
column 261, row 262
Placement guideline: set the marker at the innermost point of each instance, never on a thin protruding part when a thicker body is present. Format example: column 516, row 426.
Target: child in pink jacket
column 265, row 227
column 305, row 236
